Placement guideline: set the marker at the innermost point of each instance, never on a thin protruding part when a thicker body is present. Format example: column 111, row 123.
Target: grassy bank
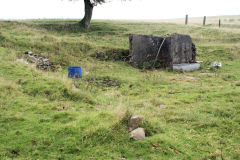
column 45, row 115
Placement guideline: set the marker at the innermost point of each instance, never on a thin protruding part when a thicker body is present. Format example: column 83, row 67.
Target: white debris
column 41, row 61
column 216, row 65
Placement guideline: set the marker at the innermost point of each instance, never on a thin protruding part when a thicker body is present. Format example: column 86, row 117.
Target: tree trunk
column 85, row 22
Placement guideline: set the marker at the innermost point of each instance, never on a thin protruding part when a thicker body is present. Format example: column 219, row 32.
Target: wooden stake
column 204, row 20
column 186, row 20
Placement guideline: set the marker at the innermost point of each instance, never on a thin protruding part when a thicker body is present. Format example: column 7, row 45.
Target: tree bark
column 85, row 22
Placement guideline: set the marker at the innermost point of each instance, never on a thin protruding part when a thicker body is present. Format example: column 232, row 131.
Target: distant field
column 230, row 23
column 227, row 22
column 46, row 115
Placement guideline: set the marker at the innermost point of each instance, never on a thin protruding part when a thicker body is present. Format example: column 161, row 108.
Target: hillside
column 46, row 115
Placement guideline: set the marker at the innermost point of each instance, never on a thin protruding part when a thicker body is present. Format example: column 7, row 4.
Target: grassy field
column 45, row 115
column 229, row 23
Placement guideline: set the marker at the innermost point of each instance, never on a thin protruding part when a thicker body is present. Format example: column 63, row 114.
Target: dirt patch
column 112, row 54
column 104, row 82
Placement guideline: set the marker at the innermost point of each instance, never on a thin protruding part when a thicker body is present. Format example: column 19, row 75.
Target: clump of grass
column 149, row 128
column 112, row 54
column 229, row 77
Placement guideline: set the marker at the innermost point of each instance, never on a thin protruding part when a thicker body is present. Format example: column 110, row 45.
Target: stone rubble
column 43, row 64
column 41, row 61
column 134, row 124
column 138, row 134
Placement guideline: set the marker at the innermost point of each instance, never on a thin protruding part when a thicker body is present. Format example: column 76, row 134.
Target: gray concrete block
column 186, row 66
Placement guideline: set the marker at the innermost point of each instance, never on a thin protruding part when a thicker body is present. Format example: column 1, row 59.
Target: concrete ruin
column 151, row 51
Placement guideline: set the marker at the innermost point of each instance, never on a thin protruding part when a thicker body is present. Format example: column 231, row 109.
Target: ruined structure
column 151, row 51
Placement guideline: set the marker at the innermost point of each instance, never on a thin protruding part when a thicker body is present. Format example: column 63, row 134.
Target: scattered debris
column 42, row 62
column 134, row 122
column 216, row 65
column 31, row 57
column 138, row 134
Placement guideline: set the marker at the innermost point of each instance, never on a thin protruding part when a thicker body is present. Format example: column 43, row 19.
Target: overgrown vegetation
column 45, row 115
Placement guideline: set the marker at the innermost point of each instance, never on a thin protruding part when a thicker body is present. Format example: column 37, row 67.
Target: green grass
column 42, row 116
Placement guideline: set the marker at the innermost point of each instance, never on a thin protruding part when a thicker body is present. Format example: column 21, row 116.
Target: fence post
column 186, row 20
column 204, row 20
column 219, row 24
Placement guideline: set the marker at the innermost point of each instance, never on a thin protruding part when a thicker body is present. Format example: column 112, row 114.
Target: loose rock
column 138, row 134
column 134, row 123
